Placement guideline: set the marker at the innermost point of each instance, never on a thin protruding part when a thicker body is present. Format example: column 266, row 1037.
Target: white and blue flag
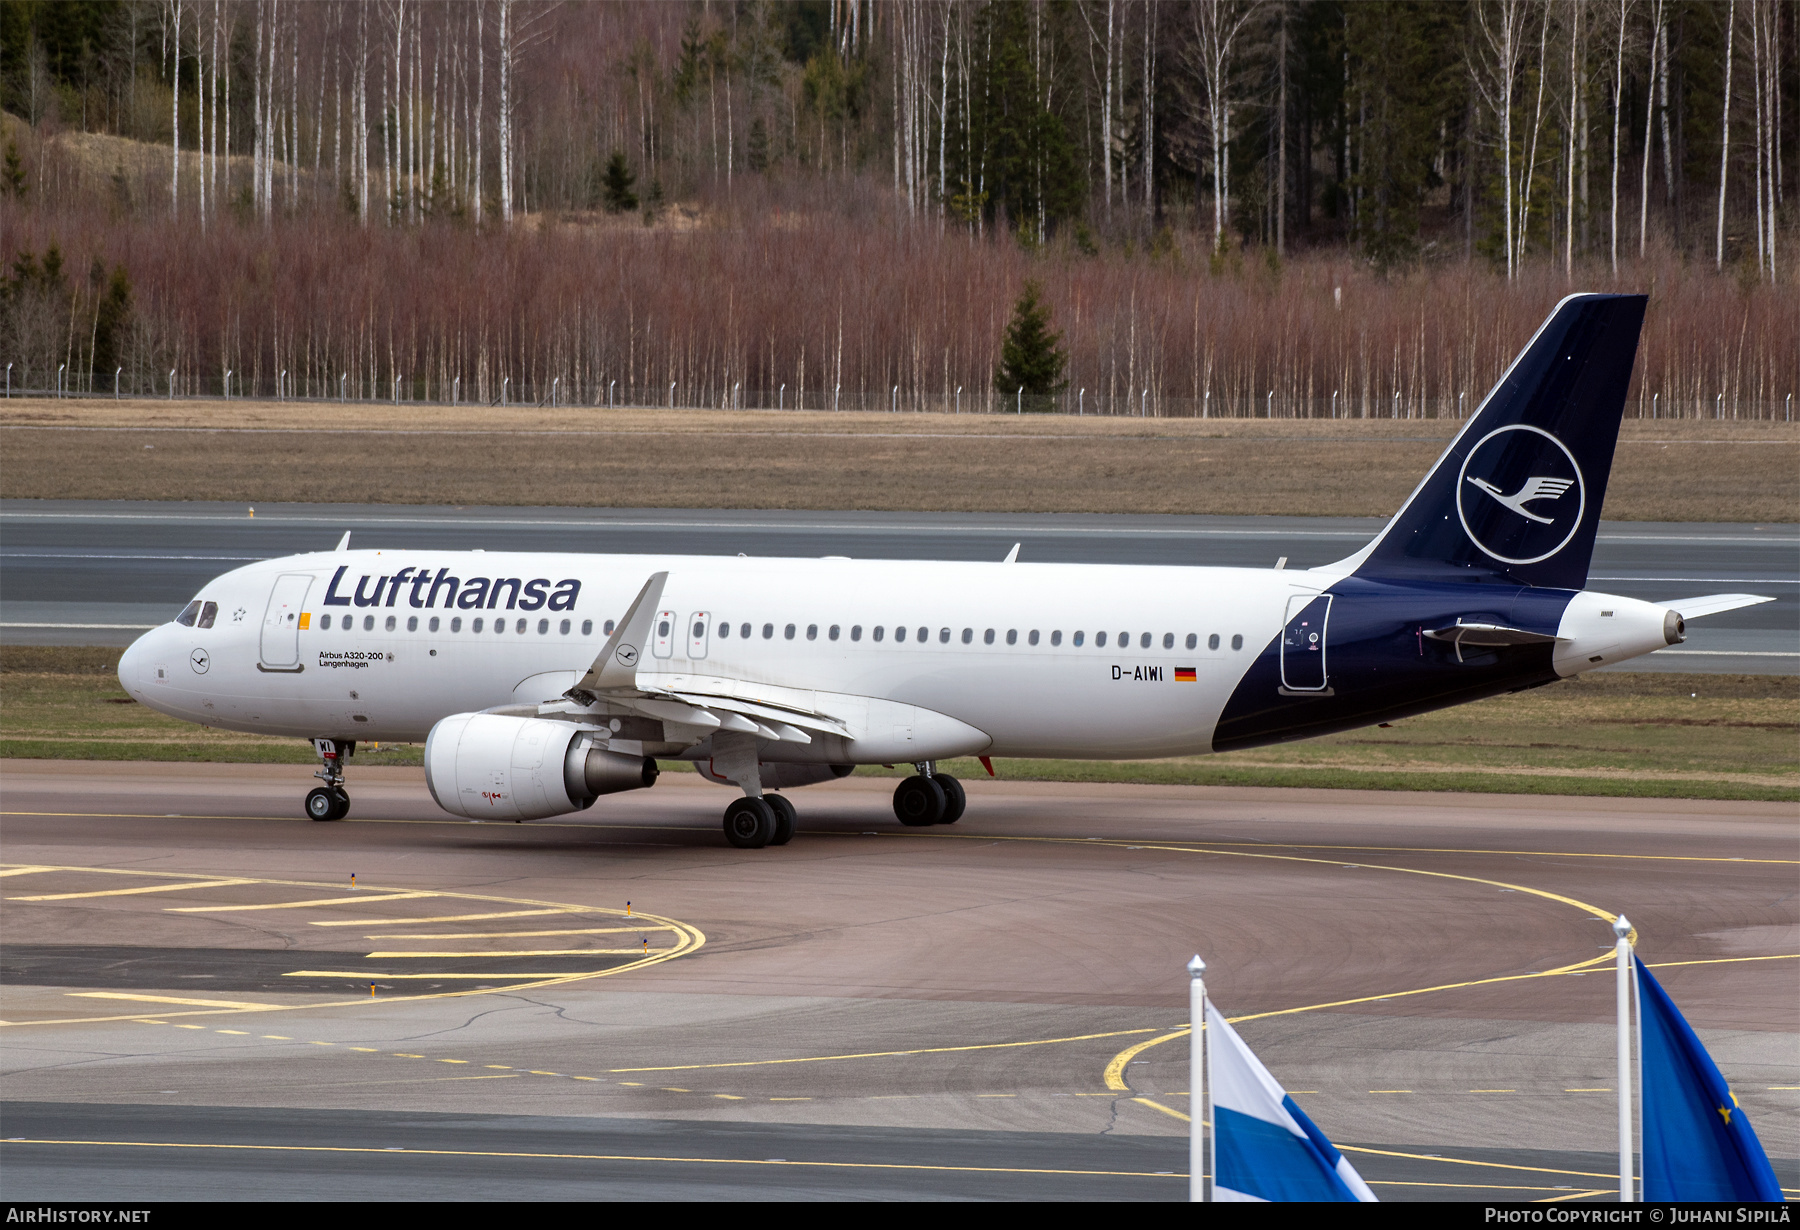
column 1264, row 1146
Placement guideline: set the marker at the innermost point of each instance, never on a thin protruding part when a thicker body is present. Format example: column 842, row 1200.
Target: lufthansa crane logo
column 1520, row 495
column 627, row 655
column 200, row 660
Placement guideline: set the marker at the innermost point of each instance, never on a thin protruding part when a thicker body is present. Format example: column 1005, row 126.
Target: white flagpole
column 1196, row 1079
column 1622, row 951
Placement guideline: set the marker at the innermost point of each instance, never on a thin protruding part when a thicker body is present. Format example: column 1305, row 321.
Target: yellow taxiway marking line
column 923, row 1050
column 1172, row 1113
column 1286, row 845
column 366, row 976
column 240, row 1005
column 133, row 892
column 688, row 939
column 297, row 905
column 1115, row 1070
column 507, row 935
column 401, row 922
column 602, row 1157
column 1463, row 1161
column 23, row 871
column 528, row 952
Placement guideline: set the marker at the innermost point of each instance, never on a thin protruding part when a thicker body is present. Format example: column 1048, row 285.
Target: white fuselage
column 1034, row 656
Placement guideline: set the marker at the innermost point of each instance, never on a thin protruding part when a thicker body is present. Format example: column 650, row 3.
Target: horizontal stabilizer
column 1712, row 604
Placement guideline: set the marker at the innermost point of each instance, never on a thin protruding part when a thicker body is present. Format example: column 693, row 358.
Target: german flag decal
column 1185, row 674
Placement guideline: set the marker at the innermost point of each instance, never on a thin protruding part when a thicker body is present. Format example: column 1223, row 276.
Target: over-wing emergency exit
column 540, row 682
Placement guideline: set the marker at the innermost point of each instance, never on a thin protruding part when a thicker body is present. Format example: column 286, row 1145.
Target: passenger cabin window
column 475, row 625
column 1080, row 635
column 1032, row 639
column 368, row 623
column 324, row 623
column 520, row 627
column 433, row 625
column 1012, row 636
column 968, row 635
column 787, row 633
column 987, row 638
column 856, row 632
column 1212, row 642
column 412, row 623
column 924, row 635
column 833, row 634
column 1169, row 640
column 189, row 614
column 725, row 628
column 607, row 628
column 899, row 634
column 876, row 634
column 587, row 627
column 1056, row 637
column 1192, row 640
column 1099, row 639
column 768, row 631
column 1144, row 641
column 562, row 627
column 1237, row 642
column 543, row 627
column 456, row 624
column 812, row 632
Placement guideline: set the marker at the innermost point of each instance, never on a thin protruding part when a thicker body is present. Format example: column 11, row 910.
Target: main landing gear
column 330, row 801
column 752, row 823
column 929, row 798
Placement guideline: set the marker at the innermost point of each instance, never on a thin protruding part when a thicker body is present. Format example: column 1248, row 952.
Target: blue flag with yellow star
column 1698, row 1144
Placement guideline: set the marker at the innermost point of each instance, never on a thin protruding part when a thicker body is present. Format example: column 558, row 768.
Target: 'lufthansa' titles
column 423, row 590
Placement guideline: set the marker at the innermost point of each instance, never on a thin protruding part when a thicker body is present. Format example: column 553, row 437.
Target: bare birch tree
column 1501, row 25
column 1618, row 106
column 1217, row 23
column 1725, row 134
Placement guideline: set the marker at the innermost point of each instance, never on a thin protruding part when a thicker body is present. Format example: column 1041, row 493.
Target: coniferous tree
column 1031, row 356
column 617, row 185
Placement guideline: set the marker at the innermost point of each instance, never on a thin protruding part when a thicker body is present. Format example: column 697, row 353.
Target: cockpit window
column 189, row 614
column 208, row 612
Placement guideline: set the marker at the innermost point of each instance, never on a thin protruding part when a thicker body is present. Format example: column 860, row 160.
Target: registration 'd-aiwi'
column 540, row 682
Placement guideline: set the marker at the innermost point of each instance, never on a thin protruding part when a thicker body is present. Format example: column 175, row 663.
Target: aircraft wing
column 707, row 703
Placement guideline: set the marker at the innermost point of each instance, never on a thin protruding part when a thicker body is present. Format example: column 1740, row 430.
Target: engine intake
column 490, row 766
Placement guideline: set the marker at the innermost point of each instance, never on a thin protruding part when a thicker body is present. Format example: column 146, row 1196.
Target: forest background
column 1234, row 208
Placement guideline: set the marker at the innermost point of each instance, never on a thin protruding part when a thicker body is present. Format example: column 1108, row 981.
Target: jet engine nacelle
column 488, row 766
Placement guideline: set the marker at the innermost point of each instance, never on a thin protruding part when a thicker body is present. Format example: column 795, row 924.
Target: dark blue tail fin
column 1516, row 497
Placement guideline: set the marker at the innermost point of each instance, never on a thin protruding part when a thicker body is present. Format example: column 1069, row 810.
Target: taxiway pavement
column 993, row 1009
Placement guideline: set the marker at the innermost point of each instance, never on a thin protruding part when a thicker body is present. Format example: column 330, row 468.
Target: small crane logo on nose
column 199, row 661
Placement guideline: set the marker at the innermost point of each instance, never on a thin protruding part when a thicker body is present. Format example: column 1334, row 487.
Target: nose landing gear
column 330, row 801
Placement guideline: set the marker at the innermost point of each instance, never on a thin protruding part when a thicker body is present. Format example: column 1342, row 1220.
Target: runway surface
column 97, row 572
column 991, row 1010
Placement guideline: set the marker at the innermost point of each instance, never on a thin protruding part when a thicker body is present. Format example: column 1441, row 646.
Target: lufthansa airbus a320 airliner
column 540, row 682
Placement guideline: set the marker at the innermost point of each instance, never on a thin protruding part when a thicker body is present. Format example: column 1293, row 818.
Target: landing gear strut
column 330, row 801
column 929, row 797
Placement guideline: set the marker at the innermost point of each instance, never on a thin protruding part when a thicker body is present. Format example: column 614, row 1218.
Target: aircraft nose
column 131, row 662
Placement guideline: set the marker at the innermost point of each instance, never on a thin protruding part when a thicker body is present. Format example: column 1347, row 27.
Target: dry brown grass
column 155, row 450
